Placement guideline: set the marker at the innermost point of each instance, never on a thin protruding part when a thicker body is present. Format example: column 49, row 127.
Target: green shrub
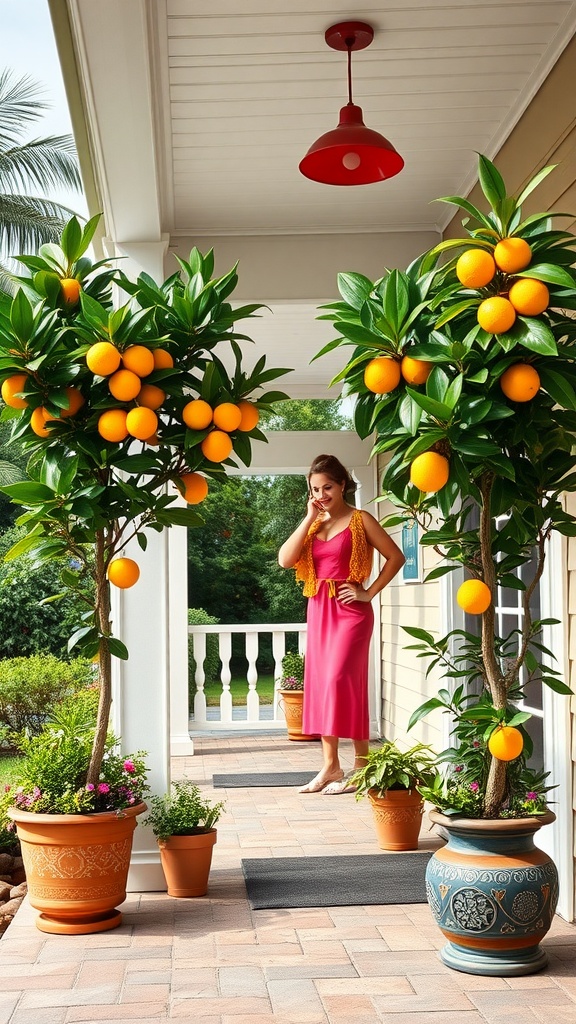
column 31, row 687
column 198, row 617
column 26, row 625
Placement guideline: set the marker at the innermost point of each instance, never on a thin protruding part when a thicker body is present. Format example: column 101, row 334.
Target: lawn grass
column 9, row 768
column 239, row 690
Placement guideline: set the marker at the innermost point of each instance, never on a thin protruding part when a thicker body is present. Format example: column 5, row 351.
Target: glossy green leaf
column 354, row 288
column 491, row 182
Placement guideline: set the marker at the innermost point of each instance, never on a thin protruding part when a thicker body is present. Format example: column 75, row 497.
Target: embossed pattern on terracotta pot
column 291, row 702
column 493, row 894
column 76, row 867
column 397, row 818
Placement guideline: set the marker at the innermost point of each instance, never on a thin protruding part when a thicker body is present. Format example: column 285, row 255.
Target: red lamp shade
column 351, row 154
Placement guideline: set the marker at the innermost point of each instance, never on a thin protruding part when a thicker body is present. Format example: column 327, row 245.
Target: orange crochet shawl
column 360, row 558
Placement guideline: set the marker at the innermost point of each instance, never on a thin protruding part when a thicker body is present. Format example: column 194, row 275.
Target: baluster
column 278, row 652
column 252, row 699
column 199, row 646
column 225, row 651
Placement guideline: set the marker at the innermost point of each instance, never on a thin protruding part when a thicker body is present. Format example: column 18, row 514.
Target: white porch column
column 151, row 621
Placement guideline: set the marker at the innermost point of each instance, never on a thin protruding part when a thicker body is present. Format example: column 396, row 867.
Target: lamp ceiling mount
column 349, row 35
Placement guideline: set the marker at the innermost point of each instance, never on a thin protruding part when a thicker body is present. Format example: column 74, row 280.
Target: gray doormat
column 348, row 881
column 264, row 779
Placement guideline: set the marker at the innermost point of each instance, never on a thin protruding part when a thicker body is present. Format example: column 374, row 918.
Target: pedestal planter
column 493, row 894
column 76, row 867
column 186, row 862
column 397, row 818
column 292, row 701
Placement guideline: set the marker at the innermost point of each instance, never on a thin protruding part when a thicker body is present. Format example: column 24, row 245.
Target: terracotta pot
column 397, row 818
column 291, row 703
column 186, row 862
column 493, row 894
column 76, row 867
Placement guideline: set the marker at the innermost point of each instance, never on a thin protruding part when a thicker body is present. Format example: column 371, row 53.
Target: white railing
column 253, row 712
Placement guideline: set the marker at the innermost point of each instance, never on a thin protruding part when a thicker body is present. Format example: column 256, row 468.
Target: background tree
column 29, row 168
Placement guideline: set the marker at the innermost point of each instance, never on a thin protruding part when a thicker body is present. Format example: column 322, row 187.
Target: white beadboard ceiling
column 245, row 89
column 199, row 112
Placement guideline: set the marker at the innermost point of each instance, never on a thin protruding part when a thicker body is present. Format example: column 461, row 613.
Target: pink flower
column 129, row 766
column 103, row 787
column 89, row 787
column 531, row 795
column 474, row 787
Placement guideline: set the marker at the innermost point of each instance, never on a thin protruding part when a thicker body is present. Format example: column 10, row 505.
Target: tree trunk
column 104, row 659
column 496, row 783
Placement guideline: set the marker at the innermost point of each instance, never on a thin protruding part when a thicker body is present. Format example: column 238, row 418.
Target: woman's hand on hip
column 348, row 592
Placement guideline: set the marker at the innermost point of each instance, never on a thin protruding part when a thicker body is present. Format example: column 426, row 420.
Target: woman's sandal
column 340, row 786
column 318, row 785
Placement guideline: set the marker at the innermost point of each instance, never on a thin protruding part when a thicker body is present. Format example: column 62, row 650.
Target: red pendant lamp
column 351, row 154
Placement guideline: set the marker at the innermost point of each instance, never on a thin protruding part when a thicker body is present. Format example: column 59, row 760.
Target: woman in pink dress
column 332, row 552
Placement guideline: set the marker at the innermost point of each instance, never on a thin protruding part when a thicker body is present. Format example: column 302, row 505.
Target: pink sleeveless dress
column 337, row 646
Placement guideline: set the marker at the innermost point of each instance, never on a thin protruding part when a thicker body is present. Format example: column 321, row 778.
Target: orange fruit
column 103, row 358
column 141, row 423
column 162, row 359
column 474, row 597
column 496, row 315
column 382, row 375
column 196, row 487
column 124, row 385
column 10, row 389
column 38, row 420
column 475, row 268
column 123, row 572
column 529, row 297
column 112, row 425
column 75, row 402
column 139, row 359
column 227, row 416
column 216, row 446
column 429, row 472
column 512, row 254
column 415, row 371
column 520, row 382
column 506, row 743
column 250, row 416
column 70, row 289
column 151, row 396
column 197, row 414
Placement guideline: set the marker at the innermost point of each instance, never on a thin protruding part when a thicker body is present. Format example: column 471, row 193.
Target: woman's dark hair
column 332, row 467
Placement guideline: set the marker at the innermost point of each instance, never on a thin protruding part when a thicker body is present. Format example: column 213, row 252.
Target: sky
column 27, row 47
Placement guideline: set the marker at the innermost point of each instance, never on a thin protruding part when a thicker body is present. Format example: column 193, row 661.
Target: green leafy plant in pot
column 463, row 366
column 183, row 822
column 391, row 779
column 291, row 692
column 122, row 411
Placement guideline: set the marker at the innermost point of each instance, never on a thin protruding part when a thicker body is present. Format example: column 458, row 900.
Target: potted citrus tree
column 463, row 366
column 122, row 411
column 391, row 779
column 184, row 825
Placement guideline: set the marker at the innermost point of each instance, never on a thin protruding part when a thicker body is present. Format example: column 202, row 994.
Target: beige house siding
column 404, row 682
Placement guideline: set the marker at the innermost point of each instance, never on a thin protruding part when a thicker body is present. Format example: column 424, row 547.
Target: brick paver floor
column 215, row 961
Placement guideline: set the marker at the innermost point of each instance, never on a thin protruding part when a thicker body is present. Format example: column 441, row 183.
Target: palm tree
column 28, row 220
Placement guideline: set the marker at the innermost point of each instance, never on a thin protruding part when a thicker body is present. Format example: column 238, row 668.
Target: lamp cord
column 349, row 45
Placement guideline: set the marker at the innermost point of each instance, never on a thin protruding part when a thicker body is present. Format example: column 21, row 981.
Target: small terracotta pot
column 186, row 862
column 397, row 818
column 292, row 701
column 76, row 867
